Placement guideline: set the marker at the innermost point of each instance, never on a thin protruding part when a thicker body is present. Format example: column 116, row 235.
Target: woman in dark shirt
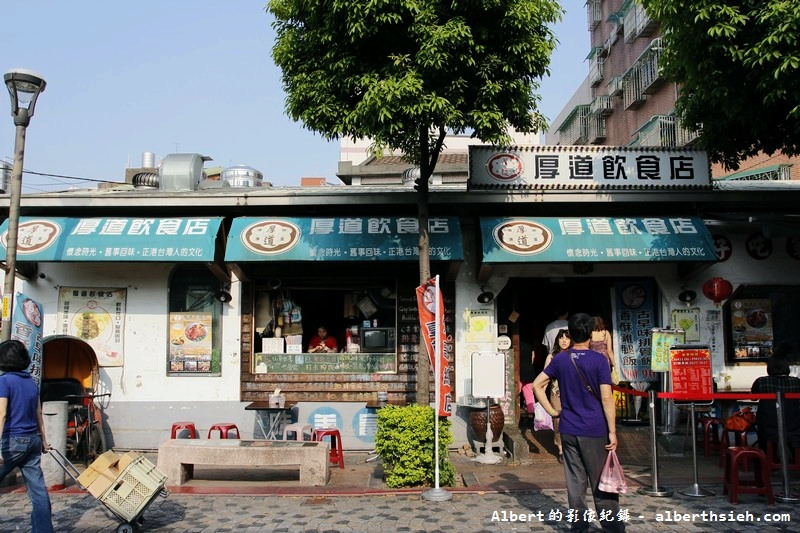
column 777, row 379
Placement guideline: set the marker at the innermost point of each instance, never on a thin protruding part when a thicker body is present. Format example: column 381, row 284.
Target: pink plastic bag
column 541, row 418
column 611, row 478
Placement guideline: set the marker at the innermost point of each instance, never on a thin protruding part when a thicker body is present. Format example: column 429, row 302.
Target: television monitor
column 377, row 340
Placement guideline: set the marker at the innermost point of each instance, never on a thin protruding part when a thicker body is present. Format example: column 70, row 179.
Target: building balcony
column 574, row 129
column 659, row 131
column 596, row 129
column 595, row 13
column 596, row 71
column 615, row 86
column 601, row 105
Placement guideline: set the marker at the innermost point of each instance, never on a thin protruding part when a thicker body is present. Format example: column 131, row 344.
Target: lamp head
column 485, row 296
column 24, row 87
column 223, row 296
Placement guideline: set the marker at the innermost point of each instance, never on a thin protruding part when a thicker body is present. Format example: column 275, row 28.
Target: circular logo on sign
column 505, row 167
column 793, row 247
column 522, row 237
column 758, row 247
column 723, row 247
column 34, row 236
column 270, row 236
column 503, row 342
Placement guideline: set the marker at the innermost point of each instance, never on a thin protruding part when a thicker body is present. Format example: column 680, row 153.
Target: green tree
column 404, row 73
column 737, row 65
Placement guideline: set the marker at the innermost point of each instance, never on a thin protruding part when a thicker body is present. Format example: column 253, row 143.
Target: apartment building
column 626, row 101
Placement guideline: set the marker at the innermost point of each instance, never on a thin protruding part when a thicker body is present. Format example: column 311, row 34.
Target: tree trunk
column 423, row 358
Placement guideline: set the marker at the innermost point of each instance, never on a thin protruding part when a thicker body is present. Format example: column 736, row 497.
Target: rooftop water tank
column 181, row 172
column 243, row 176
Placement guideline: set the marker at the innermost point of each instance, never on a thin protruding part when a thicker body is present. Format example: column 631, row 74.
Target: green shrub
column 405, row 443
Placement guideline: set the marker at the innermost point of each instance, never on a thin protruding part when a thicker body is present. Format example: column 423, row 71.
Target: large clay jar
column 477, row 421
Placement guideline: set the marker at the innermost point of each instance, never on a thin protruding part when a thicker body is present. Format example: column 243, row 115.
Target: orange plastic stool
column 177, row 427
column 760, row 484
column 224, row 428
column 709, row 438
column 337, row 453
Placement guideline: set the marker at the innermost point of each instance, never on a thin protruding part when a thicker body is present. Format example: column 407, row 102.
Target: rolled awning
column 113, row 239
column 595, row 239
column 341, row 239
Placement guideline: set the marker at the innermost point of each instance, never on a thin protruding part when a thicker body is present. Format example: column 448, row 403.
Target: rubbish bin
column 55, row 430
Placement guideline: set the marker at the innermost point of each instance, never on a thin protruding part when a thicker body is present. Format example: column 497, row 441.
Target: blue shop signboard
column 340, row 239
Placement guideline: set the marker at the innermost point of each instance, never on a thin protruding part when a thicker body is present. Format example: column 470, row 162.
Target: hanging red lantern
column 717, row 289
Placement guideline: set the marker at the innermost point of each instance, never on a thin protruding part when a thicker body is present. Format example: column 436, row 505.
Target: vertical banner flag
column 431, row 321
column 26, row 327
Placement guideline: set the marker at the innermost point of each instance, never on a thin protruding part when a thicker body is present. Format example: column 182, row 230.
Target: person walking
column 22, row 438
column 587, row 426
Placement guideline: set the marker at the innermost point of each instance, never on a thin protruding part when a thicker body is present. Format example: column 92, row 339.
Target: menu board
column 751, row 326
column 190, row 346
column 691, row 372
column 408, row 336
column 329, row 363
column 663, row 338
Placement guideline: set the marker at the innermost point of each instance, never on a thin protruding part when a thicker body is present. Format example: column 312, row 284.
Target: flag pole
column 437, row 494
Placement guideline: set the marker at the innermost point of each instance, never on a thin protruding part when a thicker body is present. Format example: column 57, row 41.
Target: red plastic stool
column 740, row 440
column 760, row 484
column 224, row 428
column 774, row 460
column 177, row 427
column 337, row 453
column 709, row 438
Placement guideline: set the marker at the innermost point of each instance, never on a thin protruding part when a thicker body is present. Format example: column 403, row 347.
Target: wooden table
column 273, row 429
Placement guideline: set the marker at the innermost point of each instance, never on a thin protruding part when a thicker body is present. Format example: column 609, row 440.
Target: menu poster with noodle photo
column 190, row 342
column 96, row 316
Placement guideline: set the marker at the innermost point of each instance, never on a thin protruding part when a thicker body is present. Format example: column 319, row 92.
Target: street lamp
column 24, row 87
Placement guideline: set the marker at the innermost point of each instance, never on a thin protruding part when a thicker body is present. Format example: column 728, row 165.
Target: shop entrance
column 536, row 301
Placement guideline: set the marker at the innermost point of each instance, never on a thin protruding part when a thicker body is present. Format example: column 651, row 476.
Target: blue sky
column 172, row 76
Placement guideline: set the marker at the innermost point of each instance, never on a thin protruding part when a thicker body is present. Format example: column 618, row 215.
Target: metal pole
column 13, row 227
column 787, row 495
column 695, row 489
column 653, row 491
column 437, row 494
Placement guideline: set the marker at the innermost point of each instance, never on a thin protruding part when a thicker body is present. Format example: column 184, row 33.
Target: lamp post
column 24, row 87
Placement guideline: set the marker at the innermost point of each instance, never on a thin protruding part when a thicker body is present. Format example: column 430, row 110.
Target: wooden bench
column 176, row 458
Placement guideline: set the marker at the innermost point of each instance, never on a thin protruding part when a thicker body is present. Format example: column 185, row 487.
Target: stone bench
column 176, row 458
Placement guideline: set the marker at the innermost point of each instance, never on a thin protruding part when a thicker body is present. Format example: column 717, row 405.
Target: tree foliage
column 405, row 72
column 737, row 64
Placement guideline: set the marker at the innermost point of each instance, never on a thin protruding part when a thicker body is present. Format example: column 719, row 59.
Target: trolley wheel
column 97, row 442
column 125, row 528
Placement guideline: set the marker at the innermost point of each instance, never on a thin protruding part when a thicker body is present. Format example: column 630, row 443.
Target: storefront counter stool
column 299, row 429
column 183, row 428
column 736, row 456
column 740, row 438
column 709, row 437
column 774, row 460
column 224, row 428
column 337, row 453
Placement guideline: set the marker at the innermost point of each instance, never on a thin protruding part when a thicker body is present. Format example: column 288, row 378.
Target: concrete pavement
column 486, row 498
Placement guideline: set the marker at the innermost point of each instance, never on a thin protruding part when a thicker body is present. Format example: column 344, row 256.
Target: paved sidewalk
column 466, row 512
column 486, row 498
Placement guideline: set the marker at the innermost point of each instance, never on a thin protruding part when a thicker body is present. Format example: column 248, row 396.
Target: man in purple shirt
column 588, row 425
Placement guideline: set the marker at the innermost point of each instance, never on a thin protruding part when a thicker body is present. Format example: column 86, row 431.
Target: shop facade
column 196, row 337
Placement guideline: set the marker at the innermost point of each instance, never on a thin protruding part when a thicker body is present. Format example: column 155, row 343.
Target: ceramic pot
column 477, row 421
